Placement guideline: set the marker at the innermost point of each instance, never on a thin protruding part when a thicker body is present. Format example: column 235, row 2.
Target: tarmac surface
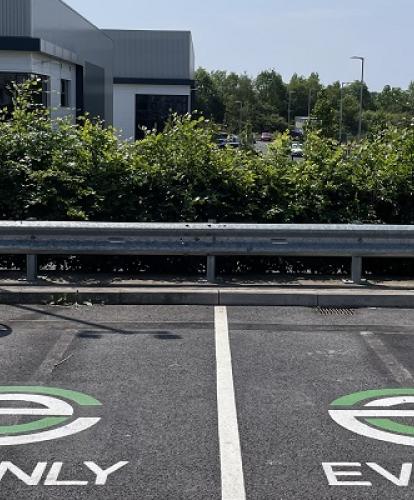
column 204, row 402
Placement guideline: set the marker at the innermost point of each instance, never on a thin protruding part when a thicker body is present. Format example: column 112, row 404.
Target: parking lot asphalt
column 192, row 402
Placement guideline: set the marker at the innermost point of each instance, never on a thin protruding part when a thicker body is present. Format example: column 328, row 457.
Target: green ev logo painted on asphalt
column 372, row 414
column 49, row 403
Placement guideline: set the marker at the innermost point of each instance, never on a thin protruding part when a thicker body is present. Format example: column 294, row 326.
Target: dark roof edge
column 20, row 43
column 154, row 81
column 146, row 31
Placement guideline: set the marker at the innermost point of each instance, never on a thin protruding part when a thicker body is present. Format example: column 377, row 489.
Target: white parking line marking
column 232, row 479
column 397, row 369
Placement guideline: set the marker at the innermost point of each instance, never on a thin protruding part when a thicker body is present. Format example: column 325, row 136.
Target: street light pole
column 240, row 115
column 309, row 102
column 290, row 105
column 341, row 109
column 362, row 59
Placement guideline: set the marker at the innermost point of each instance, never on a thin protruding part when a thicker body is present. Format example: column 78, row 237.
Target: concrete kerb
column 246, row 296
column 260, row 297
column 395, row 299
column 112, row 296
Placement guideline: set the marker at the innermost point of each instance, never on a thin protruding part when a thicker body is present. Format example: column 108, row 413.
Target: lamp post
column 309, row 102
column 341, row 109
column 240, row 103
column 362, row 59
column 291, row 92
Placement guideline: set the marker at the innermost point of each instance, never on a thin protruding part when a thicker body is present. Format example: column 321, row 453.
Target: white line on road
column 397, row 369
column 232, row 479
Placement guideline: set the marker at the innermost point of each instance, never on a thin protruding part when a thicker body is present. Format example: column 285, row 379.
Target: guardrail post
column 31, row 267
column 211, row 262
column 211, row 269
column 356, row 270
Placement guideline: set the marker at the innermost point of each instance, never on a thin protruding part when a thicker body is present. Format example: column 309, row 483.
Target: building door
column 152, row 111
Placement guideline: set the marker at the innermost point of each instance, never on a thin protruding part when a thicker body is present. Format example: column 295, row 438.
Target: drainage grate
column 335, row 311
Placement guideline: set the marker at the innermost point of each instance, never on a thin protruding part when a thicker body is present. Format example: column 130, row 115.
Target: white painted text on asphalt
column 54, row 473
column 334, row 471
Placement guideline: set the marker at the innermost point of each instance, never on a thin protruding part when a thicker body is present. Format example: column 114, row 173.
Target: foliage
column 235, row 100
column 59, row 171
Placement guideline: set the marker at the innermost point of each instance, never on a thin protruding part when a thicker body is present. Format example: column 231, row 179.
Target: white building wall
column 124, row 103
column 28, row 62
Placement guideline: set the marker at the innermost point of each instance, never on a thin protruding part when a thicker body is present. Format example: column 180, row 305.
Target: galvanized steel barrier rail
column 209, row 239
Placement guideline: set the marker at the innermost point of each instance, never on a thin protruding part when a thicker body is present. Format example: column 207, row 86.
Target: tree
column 304, row 93
column 209, row 100
column 272, row 91
column 393, row 100
column 326, row 110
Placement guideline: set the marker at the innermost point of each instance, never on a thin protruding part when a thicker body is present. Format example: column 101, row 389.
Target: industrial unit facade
column 129, row 79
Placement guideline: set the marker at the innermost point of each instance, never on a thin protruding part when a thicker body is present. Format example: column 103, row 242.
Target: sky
column 296, row 36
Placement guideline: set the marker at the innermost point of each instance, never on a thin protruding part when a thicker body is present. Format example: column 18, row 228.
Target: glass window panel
column 6, row 93
column 152, row 111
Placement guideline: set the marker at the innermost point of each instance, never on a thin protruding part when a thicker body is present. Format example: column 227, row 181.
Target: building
column 127, row 78
column 153, row 74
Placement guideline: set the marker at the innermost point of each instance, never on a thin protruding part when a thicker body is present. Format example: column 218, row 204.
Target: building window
column 39, row 95
column 152, row 111
column 65, row 93
column 46, row 92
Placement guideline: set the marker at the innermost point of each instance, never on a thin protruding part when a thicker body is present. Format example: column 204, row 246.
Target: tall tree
column 272, row 91
column 209, row 100
column 304, row 93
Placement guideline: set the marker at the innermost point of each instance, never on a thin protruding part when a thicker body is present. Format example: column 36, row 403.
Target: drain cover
column 335, row 311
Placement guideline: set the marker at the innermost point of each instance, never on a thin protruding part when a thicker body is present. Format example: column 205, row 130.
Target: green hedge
column 53, row 170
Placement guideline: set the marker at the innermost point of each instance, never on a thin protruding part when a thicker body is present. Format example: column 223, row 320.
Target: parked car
column 296, row 151
column 296, row 134
column 266, row 137
column 234, row 141
column 221, row 139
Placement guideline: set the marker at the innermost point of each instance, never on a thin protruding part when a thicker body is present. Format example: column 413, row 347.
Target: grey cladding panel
column 55, row 22
column 15, row 17
column 152, row 54
column 94, row 96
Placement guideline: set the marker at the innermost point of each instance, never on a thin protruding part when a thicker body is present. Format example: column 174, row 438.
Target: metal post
column 211, row 269
column 240, row 103
column 361, row 103
column 341, row 108
column 361, row 97
column 357, row 270
column 211, row 262
column 290, row 105
column 31, row 267
column 341, row 112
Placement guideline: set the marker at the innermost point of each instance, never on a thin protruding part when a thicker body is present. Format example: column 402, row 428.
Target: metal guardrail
column 209, row 239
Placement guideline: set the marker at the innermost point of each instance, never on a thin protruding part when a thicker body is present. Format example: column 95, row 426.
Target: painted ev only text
column 52, row 477
column 335, row 471
column 376, row 414
column 50, row 412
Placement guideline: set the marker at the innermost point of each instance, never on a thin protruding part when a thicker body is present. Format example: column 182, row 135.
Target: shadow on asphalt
column 5, row 330
column 105, row 328
column 157, row 334
column 71, row 319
